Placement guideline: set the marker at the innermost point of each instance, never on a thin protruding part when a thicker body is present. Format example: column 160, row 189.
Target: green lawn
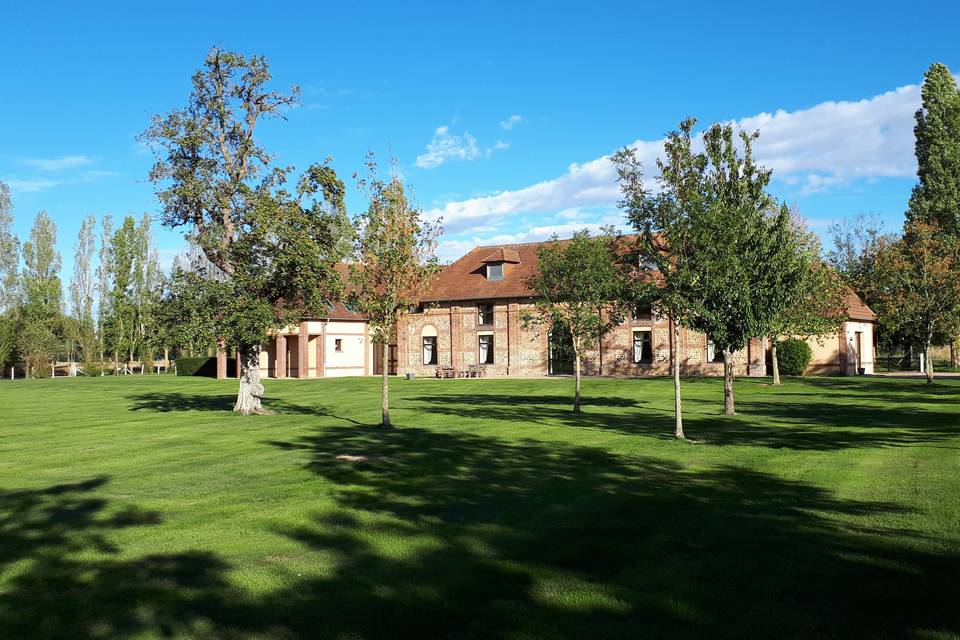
column 142, row 507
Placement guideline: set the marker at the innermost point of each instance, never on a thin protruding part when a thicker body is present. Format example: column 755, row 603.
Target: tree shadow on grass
column 787, row 420
column 176, row 401
column 535, row 540
column 451, row 535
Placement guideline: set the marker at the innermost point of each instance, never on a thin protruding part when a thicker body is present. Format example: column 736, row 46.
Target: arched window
column 429, row 335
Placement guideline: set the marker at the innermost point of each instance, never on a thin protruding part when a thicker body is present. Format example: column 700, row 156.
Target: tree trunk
column 776, row 365
column 677, row 404
column 385, row 389
column 728, row 384
column 929, row 361
column 250, row 393
column 576, row 377
column 953, row 353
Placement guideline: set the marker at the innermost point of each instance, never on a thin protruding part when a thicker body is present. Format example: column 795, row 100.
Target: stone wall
column 523, row 351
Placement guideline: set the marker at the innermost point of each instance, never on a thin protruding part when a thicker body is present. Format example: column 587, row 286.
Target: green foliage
column 82, row 290
column 9, row 254
column 936, row 197
column 794, row 356
column 393, row 253
column 272, row 249
column 39, row 330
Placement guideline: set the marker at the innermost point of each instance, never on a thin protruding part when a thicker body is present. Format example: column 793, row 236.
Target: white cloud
column 446, row 146
column 58, row 164
column 830, row 144
column 510, row 122
column 31, row 186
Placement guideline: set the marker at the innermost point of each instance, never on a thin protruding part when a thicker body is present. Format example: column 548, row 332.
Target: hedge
column 205, row 366
column 793, row 357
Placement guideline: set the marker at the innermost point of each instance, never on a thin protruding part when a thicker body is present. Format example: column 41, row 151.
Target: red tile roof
column 857, row 308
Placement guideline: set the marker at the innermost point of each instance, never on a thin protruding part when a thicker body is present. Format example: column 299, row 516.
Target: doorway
column 378, row 359
column 560, row 352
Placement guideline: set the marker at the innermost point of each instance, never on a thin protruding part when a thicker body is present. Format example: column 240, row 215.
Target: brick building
column 473, row 313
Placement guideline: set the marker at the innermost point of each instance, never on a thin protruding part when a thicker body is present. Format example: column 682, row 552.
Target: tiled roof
column 857, row 308
column 466, row 279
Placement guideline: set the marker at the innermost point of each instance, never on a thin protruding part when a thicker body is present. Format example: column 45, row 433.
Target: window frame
column 338, row 345
column 434, row 355
column 480, row 315
column 490, row 349
column 490, row 275
column 649, row 343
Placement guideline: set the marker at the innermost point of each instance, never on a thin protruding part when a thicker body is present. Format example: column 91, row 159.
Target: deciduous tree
column 275, row 246
column 39, row 326
column 393, row 263
column 580, row 286
column 82, row 288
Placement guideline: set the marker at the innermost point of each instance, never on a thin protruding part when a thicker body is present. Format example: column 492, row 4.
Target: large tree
column 40, row 314
column 276, row 247
column 936, row 196
column 82, row 288
column 720, row 236
column 393, row 263
column 581, row 287
column 918, row 287
column 104, row 283
column 9, row 279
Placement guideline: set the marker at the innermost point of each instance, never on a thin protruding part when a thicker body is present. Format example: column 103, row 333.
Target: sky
column 501, row 115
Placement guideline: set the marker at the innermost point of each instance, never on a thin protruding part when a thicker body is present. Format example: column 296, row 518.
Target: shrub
column 204, row 366
column 793, row 357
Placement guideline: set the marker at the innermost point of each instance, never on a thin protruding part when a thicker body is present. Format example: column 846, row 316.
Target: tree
column 734, row 270
column 41, row 307
column 580, row 287
column 9, row 279
column 276, row 248
column 918, row 286
column 82, row 288
column 818, row 306
column 393, row 263
column 936, row 196
column 104, row 284
column 666, row 218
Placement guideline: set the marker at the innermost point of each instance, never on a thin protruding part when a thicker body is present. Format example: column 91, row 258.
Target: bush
column 793, row 357
column 204, row 366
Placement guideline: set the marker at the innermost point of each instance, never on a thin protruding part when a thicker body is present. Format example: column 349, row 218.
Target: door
column 858, row 345
column 560, row 352
column 378, row 359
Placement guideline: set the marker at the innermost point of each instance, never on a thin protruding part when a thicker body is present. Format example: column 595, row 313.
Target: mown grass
column 142, row 507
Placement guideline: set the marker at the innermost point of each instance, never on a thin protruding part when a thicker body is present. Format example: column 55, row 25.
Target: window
column 485, row 314
column 713, row 354
column 486, row 349
column 338, row 345
column 642, row 347
column 495, row 271
column 430, row 350
column 642, row 312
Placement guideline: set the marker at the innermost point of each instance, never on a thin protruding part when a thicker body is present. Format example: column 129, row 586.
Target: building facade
column 473, row 316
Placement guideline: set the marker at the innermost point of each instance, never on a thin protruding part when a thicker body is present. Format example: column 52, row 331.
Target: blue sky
column 501, row 114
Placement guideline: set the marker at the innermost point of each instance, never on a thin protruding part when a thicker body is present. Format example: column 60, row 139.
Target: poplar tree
column 393, row 263
column 104, row 283
column 936, row 196
column 82, row 288
column 276, row 246
column 39, row 327
column 9, row 279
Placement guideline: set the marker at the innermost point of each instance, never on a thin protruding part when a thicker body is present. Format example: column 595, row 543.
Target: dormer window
column 496, row 261
column 495, row 271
